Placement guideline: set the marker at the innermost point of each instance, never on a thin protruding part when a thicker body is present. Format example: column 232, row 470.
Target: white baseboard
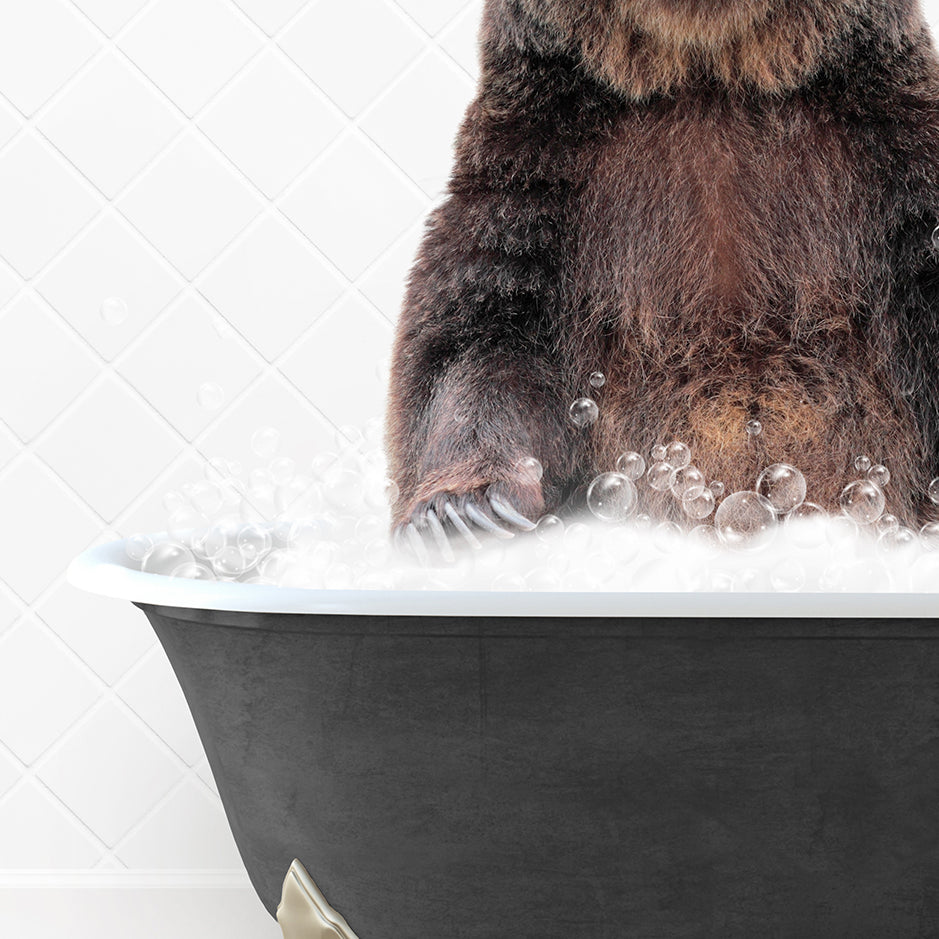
column 132, row 905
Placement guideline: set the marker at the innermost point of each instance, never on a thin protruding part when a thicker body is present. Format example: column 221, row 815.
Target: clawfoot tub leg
column 303, row 912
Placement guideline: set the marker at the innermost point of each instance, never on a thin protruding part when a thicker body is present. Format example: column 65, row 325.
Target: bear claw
column 428, row 532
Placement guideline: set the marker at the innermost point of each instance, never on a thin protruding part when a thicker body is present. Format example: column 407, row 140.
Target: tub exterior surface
column 470, row 778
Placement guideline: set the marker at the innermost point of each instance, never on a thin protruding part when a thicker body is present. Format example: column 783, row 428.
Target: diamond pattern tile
column 148, row 513
column 205, row 841
column 109, row 15
column 111, row 447
column 10, row 123
column 42, row 44
column 354, row 206
column 270, row 123
column 195, row 193
column 109, row 284
column 189, row 204
column 10, row 609
column 271, row 403
column 42, row 690
column 458, row 39
column 106, row 768
column 97, row 629
column 10, row 283
column 333, row 38
column 38, row 833
column 323, row 376
column 153, row 693
column 9, row 773
column 44, row 204
column 31, row 496
column 432, row 15
column 185, row 364
column 190, row 48
column 271, row 15
column 276, row 270
column 386, row 280
column 34, row 348
column 110, row 123
column 434, row 92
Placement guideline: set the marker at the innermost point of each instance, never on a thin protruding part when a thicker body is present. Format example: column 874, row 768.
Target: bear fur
column 725, row 206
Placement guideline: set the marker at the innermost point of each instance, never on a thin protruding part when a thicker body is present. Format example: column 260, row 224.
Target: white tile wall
column 193, row 191
column 243, row 182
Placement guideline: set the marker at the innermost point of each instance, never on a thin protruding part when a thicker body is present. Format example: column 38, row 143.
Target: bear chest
column 700, row 211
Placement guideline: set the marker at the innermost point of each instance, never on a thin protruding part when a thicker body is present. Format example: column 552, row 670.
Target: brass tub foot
column 303, row 912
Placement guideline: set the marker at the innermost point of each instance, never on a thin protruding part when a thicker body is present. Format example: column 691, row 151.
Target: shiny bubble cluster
column 324, row 524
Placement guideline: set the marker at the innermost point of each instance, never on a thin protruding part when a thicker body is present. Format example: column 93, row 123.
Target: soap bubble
column 530, row 469
column 700, row 505
column 173, row 500
column 282, row 470
column 705, row 537
column 549, row 527
column 265, row 441
column 879, row 474
column 577, row 537
column 666, row 536
column 210, row 396
column 898, row 539
column 114, row 311
column 661, row 477
column 597, row 380
column 863, row 463
column 632, row 465
column 193, row 570
column 841, row 531
column 165, row 557
column 687, row 483
column 137, row 546
column 206, row 497
column 788, row 575
column 584, row 412
column 659, row 453
column 804, row 525
column 807, row 512
column 887, row 523
column 223, row 534
column 253, row 540
column 929, row 536
column 677, row 455
column 185, row 522
column 612, row 497
column 863, row 501
column 745, row 520
column 754, row 428
column 783, row 486
column 717, row 488
column 232, row 561
column 933, row 491
column 217, row 471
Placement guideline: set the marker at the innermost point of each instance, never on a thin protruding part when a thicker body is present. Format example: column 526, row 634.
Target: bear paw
column 499, row 511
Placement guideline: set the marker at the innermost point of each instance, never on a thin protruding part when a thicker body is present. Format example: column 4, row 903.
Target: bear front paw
column 500, row 510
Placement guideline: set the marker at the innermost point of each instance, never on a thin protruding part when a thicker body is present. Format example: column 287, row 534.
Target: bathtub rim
column 104, row 570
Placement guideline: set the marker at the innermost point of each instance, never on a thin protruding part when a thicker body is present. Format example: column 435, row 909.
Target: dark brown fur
column 726, row 207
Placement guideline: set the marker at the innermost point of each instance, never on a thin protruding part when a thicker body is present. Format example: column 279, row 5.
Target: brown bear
column 724, row 206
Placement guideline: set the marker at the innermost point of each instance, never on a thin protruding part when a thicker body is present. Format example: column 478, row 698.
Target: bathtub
column 429, row 765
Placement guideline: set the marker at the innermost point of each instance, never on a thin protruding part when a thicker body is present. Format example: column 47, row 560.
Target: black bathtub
column 545, row 766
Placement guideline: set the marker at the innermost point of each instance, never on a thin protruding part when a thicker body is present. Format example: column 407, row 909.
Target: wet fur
column 726, row 207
